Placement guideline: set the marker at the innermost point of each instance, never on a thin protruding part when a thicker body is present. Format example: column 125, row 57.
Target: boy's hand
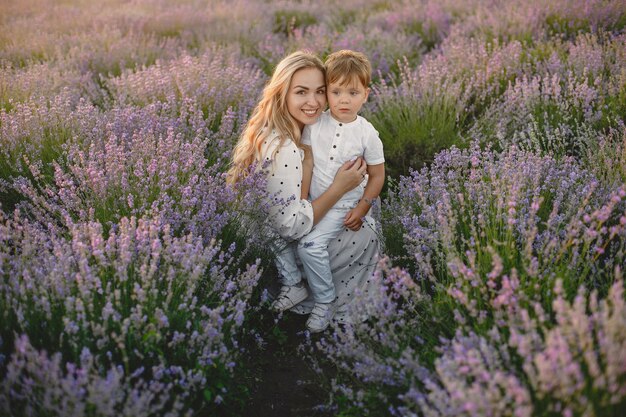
column 353, row 219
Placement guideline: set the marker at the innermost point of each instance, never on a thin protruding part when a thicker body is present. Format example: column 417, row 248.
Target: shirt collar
column 336, row 122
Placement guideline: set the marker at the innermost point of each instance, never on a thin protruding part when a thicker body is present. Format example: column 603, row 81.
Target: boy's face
column 345, row 99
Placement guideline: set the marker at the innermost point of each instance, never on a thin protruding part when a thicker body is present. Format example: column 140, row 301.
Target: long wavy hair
column 271, row 114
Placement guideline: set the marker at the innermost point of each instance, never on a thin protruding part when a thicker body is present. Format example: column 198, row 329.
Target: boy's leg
column 292, row 291
column 313, row 252
column 288, row 270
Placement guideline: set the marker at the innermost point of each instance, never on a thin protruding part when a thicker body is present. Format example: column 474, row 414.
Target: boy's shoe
column 289, row 296
column 321, row 316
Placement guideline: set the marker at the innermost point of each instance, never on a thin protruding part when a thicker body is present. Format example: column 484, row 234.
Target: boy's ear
column 367, row 94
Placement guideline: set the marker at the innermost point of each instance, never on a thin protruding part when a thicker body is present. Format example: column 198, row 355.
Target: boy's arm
column 307, row 172
column 372, row 190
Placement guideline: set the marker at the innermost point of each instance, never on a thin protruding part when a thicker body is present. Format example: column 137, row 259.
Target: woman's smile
column 306, row 96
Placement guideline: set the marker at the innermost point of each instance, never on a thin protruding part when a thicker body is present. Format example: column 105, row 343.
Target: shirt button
column 334, row 146
column 331, row 158
column 340, row 124
column 337, row 134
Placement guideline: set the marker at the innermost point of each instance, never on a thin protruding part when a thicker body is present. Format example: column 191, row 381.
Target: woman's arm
column 291, row 216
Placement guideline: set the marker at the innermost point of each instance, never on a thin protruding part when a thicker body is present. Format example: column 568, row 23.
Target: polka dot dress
column 353, row 259
column 353, row 255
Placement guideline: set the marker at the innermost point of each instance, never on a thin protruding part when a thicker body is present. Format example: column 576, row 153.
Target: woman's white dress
column 353, row 255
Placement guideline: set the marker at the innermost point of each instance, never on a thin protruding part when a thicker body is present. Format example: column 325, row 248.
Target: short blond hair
column 345, row 66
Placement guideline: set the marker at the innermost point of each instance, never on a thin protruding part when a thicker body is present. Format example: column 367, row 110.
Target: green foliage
column 41, row 152
column 615, row 107
column 392, row 235
column 427, row 32
column 279, row 335
column 236, row 233
column 342, row 19
column 566, row 27
column 414, row 130
column 549, row 135
column 7, row 103
column 266, row 64
column 606, row 157
column 286, row 21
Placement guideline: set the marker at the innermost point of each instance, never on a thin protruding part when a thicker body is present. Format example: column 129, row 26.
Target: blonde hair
column 271, row 114
column 345, row 66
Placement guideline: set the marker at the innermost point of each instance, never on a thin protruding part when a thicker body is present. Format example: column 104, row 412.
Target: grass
column 413, row 131
column 286, row 21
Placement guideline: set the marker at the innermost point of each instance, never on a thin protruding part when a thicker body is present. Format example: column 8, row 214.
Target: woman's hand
column 350, row 175
column 347, row 178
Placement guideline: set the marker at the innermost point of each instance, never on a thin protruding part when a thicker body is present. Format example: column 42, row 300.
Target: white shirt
column 289, row 216
column 334, row 143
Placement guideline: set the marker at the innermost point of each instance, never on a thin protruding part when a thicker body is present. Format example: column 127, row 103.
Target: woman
column 294, row 97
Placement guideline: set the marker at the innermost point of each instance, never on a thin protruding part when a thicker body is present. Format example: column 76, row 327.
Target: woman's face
column 306, row 98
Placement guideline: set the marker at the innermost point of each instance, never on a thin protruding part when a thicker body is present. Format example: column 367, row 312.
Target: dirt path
column 281, row 382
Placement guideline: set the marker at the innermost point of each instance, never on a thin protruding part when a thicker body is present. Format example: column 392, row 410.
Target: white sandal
column 289, row 296
column 321, row 316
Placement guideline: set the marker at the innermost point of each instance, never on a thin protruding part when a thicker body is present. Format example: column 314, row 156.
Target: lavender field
column 130, row 281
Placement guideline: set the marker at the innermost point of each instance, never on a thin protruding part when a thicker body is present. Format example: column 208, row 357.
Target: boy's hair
column 344, row 66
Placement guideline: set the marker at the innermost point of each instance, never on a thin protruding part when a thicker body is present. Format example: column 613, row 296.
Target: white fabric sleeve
column 290, row 216
column 373, row 153
column 306, row 135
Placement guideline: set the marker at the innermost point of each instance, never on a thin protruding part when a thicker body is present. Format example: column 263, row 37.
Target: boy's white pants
column 313, row 252
column 286, row 263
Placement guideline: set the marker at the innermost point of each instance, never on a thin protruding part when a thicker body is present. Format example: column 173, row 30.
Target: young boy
column 338, row 136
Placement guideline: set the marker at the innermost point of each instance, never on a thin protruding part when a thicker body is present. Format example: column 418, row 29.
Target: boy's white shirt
column 334, row 143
